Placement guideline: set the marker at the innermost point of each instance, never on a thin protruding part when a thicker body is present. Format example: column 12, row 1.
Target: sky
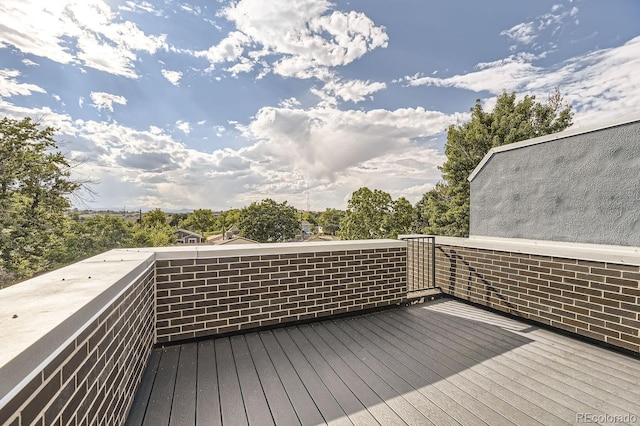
column 216, row 104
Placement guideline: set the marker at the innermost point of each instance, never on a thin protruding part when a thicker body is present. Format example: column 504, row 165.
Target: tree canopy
column 445, row 209
column 200, row 221
column 268, row 221
column 35, row 186
column 374, row 214
column 330, row 220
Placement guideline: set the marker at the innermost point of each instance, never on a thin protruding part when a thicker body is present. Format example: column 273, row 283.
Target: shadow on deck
column 442, row 362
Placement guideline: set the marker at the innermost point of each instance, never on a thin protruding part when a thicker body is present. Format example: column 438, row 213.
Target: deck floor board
column 443, row 363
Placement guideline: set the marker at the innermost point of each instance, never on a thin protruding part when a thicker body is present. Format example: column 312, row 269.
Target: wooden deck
column 441, row 363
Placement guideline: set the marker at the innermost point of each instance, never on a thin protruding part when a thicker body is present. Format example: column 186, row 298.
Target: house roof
column 237, row 240
column 186, row 231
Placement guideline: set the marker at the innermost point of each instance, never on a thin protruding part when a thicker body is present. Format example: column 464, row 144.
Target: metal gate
column 421, row 262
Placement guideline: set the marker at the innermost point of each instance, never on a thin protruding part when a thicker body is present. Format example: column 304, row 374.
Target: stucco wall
column 581, row 188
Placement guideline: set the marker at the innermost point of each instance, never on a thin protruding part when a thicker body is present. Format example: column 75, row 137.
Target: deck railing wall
column 209, row 292
column 590, row 290
column 96, row 338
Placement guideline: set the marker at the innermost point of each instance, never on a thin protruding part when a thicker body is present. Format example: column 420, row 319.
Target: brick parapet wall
column 595, row 299
column 94, row 377
column 212, row 295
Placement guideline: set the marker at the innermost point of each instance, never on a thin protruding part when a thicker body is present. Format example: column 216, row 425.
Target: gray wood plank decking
column 442, row 363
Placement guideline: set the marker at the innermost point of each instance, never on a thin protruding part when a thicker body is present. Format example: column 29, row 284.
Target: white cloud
column 102, row 100
column 350, row 90
column 30, row 63
column 323, row 143
column 83, row 32
column 194, row 10
column 302, row 39
column 155, row 130
column 289, row 103
column 600, row 85
column 523, row 33
column 81, row 102
column 334, row 152
column 528, row 34
column 172, row 76
column 9, row 85
column 228, row 50
column 511, row 74
column 144, row 6
column 184, row 126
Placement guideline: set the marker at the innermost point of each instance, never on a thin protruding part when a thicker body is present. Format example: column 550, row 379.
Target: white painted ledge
column 205, row 251
column 594, row 252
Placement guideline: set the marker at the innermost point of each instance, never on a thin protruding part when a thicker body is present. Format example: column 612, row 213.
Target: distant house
column 188, row 237
column 234, row 231
column 305, row 227
column 237, row 240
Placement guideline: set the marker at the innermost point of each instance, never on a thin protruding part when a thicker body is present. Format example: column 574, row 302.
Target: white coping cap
column 208, row 251
column 595, row 252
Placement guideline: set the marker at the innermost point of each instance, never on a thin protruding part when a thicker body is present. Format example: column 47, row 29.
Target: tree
column 227, row 219
column 366, row 212
column 154, row 218
column 401, row 219
column 87, row 237
column 374, row 214
column 201, row 221
column 177, row 218
column 153, row 236
column 35, row 186
column 330, row 220
column 269, row 221
column 445, row 209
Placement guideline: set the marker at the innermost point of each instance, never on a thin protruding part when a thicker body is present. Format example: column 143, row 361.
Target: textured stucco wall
column 582, row 188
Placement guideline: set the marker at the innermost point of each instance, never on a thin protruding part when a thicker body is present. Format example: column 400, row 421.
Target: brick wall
column 94, row 378
column 600, row 300
column 206, row 296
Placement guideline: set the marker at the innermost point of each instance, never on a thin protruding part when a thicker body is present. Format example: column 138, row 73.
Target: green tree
column 35, row 186
column 200, row 220
column 374, row 214
column 330, row 220
column 154, row 236
column 268, row 221
column 87, row 237
column 445, row 209
column 154, row 218
column 401, row 219
column 227, row 219
column 177, row 218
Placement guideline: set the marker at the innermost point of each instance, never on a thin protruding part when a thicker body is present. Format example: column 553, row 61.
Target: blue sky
column 197, row 104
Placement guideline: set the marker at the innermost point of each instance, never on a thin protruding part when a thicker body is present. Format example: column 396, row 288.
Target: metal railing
column 421, row 262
